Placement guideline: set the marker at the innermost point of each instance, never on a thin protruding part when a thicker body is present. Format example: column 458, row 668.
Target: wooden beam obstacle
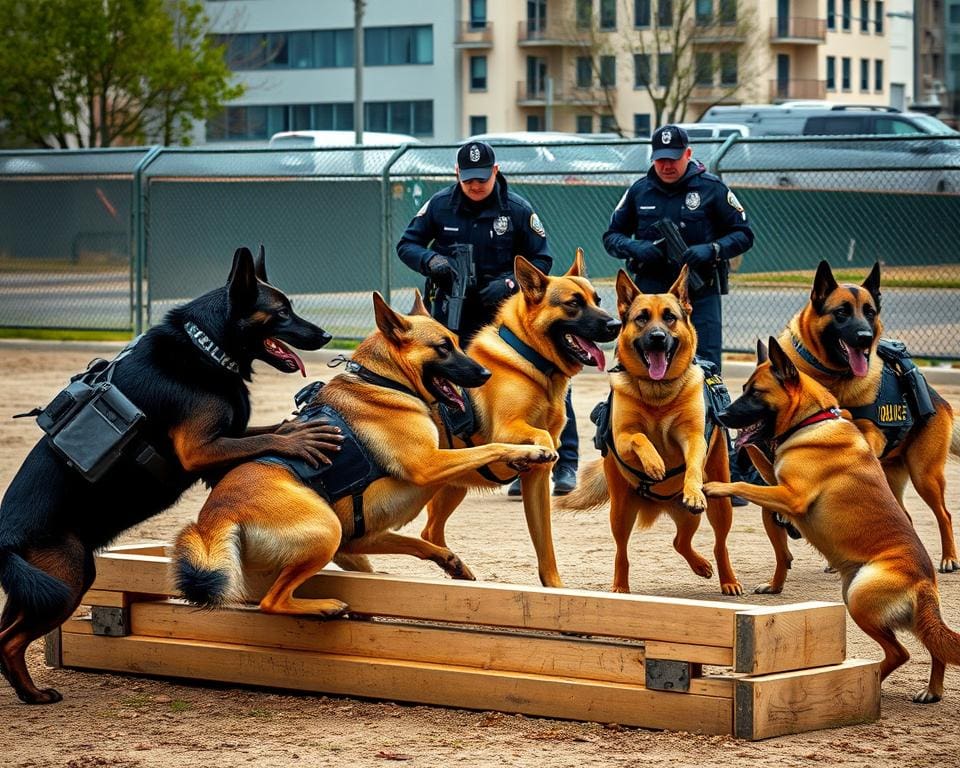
column 560, row 653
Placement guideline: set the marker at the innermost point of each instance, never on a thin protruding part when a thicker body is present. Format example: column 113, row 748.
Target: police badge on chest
column 501, row 225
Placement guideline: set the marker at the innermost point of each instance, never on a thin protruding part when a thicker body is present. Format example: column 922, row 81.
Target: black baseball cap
column 475, row 160
column 669, row 143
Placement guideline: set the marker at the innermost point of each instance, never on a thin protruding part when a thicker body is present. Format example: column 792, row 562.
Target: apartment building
column 585, row 65
column 295, row 58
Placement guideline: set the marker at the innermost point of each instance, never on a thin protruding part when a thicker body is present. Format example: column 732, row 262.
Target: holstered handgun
column 675, row 247
column 464, row 279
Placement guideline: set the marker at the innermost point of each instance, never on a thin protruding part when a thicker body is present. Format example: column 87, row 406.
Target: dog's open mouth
column 584, row 351
column 447, row 392
column 857, row 357
column 286, row 358
column 749, row 434
column 657, row 362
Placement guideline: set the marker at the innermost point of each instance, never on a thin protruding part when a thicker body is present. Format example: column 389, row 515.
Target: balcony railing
column 719, row 32
column 535, row 94
column 551, row 33
column 714, row 94
column 474, row 34
column 788, row 90
column 791, row 29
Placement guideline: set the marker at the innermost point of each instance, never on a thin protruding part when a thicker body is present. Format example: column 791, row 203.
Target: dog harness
column 716, row 398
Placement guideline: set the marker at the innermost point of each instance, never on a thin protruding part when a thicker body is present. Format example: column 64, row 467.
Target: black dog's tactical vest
column 716, row 399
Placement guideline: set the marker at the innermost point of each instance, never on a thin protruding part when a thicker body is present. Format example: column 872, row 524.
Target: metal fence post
column 714, row 165
column 386, row 241
column 139, row 248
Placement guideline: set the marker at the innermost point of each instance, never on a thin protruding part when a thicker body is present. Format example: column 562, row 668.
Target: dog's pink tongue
column 858, row 361
column 657, row 365
column 595, row 353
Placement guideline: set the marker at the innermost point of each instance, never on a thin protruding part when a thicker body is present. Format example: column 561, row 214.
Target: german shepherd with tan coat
column 541, row 337
column 827, row 481
column 261, row 516
column 659, row 454
column 833, row 339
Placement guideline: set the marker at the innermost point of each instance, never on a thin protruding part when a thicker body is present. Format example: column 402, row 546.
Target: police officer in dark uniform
column 710, row 219
column 479, row 210
column 713, row 225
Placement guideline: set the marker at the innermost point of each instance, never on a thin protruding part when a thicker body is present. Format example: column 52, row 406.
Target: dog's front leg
column 632, row 443
column 694, row 447
column 777, row 498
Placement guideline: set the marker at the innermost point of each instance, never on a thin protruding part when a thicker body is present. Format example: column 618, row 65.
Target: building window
column 954, row 12
column 584, row 123
column 847, row 18
column 261, row 122
column 534, row 123
column 584, row 72
column 641, row 13
column 584, row 14
column 864, row 75
column 390, row 46
column 664, row 69
column 831, row 14
column 413, row 117
column 478, row 73
column 478, row 124
column 608, row 124
column 831, row 73
column 608, row 71
column 478, row 14
column 703, row 13
column 641, row 70
column 845, row 73
column 728, row 11
column 728, row 68
column 865, row 16
column 703, row 68
column 641, row 125
column 665, row 13
column 608, row 14
column 878, row 17
column 878, row 75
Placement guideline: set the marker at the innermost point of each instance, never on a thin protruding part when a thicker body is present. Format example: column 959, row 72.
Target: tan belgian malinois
column 542, row 336
column 267, row 515
column 657, row 450
column 826, row 480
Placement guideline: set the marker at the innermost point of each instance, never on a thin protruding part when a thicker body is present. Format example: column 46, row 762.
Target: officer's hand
column 496, row 291
column 642, row 252
column 439, row 268
column 699, row 255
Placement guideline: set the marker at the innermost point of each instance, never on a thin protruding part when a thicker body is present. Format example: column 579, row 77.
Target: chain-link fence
column 111, row 239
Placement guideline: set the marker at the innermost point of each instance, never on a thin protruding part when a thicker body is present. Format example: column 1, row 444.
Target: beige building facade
column 593, row 66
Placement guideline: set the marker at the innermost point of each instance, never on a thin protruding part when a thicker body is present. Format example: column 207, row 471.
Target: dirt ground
column 116, row 720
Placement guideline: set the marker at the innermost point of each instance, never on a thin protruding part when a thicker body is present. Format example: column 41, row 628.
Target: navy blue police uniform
column 499, row 228
column 711, row 221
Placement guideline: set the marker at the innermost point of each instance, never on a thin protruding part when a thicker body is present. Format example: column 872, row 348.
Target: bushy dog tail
column 34, row 590
column 207, row 567
column 955, row 438
column 942, row 642
column 591, row 491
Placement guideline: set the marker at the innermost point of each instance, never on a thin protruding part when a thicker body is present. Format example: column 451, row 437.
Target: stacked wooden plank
column 561, row 653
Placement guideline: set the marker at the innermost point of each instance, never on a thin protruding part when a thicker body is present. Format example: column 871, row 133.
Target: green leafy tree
column 95, row 73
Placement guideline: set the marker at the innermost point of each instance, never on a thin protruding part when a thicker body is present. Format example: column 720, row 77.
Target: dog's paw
column 650, row 461
column 949, row 565
column 926, row 696
column 42, row 696
column 768, row 589
column 457, row 569
column 733, row 588
column 715, row 489
column 529, row 455
column 694, row 500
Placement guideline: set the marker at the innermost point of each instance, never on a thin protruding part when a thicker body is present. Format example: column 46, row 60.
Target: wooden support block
column 702, row 654
column 51, row 649
column 785, row 637
column 106, row 598
column 424, row 683
column 805, row 700
column 155, row 547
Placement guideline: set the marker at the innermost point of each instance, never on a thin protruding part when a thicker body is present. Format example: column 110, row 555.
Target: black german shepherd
column 189, row 376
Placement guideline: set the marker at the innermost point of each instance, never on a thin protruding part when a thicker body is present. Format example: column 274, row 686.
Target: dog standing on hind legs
column 189, row 376
column 826, row 480
column 654, row 432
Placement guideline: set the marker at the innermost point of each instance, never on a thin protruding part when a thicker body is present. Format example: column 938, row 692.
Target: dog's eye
column 576, row 302
column 444, row 348
column 643, row 318
column 869, row 312
column 283, row 313
column 842, row 313
column 669, row 317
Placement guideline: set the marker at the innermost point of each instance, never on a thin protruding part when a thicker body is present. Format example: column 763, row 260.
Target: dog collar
column 369, row 376
column 208, row 345
column 527, row 352
column 824, row 415
column 807, row 355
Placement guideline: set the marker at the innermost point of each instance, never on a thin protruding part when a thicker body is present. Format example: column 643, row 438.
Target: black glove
column 496, row 291
column 439, row 268
column 700, row 255
column 642, row 252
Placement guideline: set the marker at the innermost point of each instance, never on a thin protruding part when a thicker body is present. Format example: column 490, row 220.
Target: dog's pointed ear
column 260, row 265
column 823, row 285
column 531, row 280
column 419, row 308
column 579, row 266
column 242, row 283
column 681, row 290
column 872, row 284
column 627, row 291
column 782, row 366
column 762, row 355
column 391, row 324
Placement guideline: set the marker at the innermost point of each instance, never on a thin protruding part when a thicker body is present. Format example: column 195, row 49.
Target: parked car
column 573, row 157
column 714, row 130
column 376, row 149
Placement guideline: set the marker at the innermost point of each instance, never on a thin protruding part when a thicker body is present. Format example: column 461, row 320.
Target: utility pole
column 358, row 71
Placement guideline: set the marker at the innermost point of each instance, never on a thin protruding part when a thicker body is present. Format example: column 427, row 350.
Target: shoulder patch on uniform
column 734, row 203
column 423, row 209
column 536, row 226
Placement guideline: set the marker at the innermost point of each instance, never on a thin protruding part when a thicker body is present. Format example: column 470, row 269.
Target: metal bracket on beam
column 110, row 621
column 663, row 675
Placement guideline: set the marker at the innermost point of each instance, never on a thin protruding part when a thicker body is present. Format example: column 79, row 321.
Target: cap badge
column 666, row 137
column 474, row 153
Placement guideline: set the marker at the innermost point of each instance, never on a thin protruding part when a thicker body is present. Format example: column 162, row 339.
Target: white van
column 714, row 130
column 368, row 162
